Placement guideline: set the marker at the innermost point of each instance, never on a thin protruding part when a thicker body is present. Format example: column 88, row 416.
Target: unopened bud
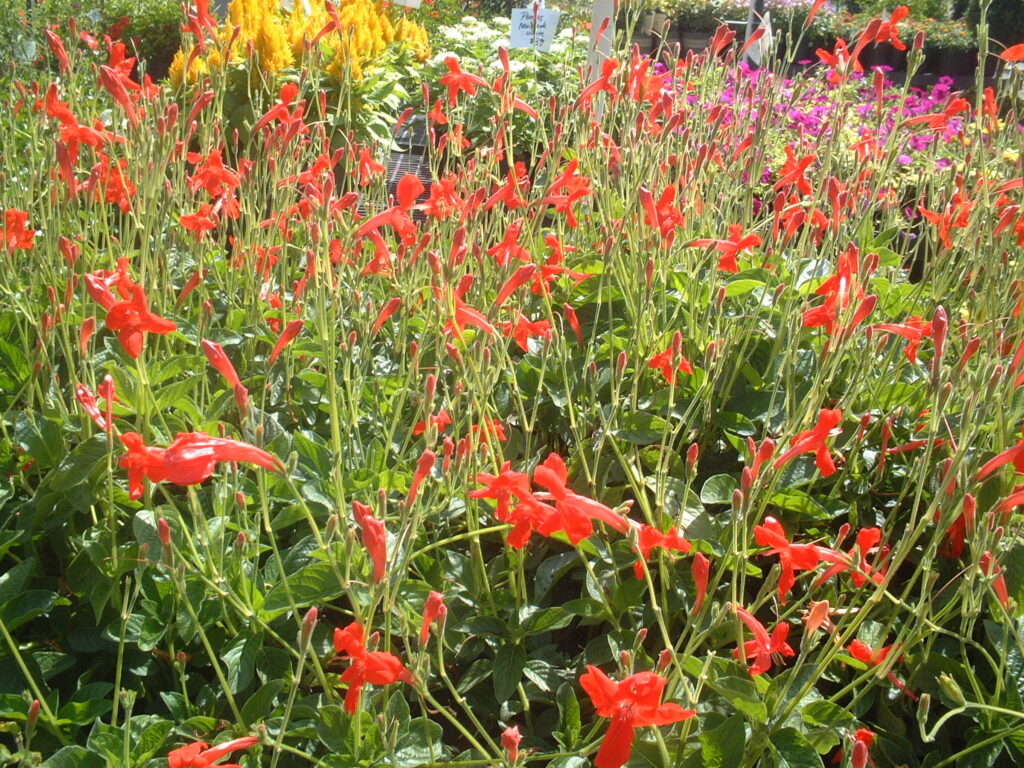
column 625, row 659
column 664, row 659
column 649, row 273
column 641, row 635
column 692, row 455
column 33, row 719
column 332, row 528
column 242, row 538
column 430, row 388
column 859, row 755
column 950, row 687
column 308, row 625
column 737, row 500
column 620, row 365
column 923, row 705
column 746, row 480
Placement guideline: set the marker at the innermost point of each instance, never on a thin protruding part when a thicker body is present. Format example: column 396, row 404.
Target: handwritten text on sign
column 526, row 34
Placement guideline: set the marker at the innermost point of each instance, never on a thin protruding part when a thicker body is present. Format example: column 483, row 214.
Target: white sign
column 408, row 3
column 526, row 34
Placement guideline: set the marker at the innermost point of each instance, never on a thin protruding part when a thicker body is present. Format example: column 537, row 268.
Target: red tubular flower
column 503, row 487
column 392, row 306
column 15, row 234
column 424, row 466
column 632, row 703
column 666, row 363
column 989, row 566
column 730, row 248
column 218, row 359
column 1013, row 53
column 868, row 655
column 201, row 755
column 914, row 329
column 574, row 322
column 131, row 319
column 650, row 538
column 763, row 647
column 189, row 460
column 813, row 441
column 458, row 81
column 792, row 557
column 375, row 539
column 374, row 667
column 510, row 739
column 441, row 421
column 522, row 329
column 573, row 514
column 701, row 569
column 856, row 560
column 434, row 609
column 287, row 336
column 1014, row 455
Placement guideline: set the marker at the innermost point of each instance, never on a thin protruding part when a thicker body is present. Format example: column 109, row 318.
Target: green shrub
column 1005, row 19
column 152, row 29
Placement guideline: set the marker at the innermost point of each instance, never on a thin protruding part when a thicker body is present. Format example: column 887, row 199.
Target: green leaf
column 569, row 724
column 718, row 489
column 741, row 287
column 261, row 704
column 240, row 660
column 722, row 747
column 736, row 423
column 508, row 670
column 28, row 605
column 825, row 714
column 150, row 732
column 39, row 438
column 545, row 620
column 314, row 583
column 743, row 695
column 641, row 428
column 794, row 751
column 73, row 757
column 13, row 581
column 332, row 727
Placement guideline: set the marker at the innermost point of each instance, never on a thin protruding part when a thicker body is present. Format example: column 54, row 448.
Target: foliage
column 695, row 439
column 150, row 27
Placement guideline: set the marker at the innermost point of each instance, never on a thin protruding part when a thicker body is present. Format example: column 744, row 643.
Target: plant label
column 539, row 35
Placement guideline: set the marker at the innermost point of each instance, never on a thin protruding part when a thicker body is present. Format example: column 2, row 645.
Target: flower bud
column 692, row 455
column 510, row 739
column 308, row 625
column 950, row 687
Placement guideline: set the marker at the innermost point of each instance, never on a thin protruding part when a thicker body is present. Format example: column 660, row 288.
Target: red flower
column 458, row 81
column 199, row 222
column 424, row 466
column 503, row 487
column 840, row 60
column 287, row 336
column 433, row 609
column 131, row 319
column 189, row 460
column 856, row 560
column 736, row 244
column 914, row 329
column 989, row 566
column 867, row 655
column 375, row 538
column 510, row 739
column 813, row 441
column 792, row 557
column 700, row 568
column 632, row 703
column 650, row 538
column 763, row 647
column 15, row 234
column 522, row 329
column 374, row 667
column 1014, row 455
column 201, row 755
column 574, row 514
column 672, row 360
column 441, row 421
column 1013, row 53
column 887, row 31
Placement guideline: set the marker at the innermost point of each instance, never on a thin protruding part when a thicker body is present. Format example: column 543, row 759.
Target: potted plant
column 695, row 21
column 950, row 47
